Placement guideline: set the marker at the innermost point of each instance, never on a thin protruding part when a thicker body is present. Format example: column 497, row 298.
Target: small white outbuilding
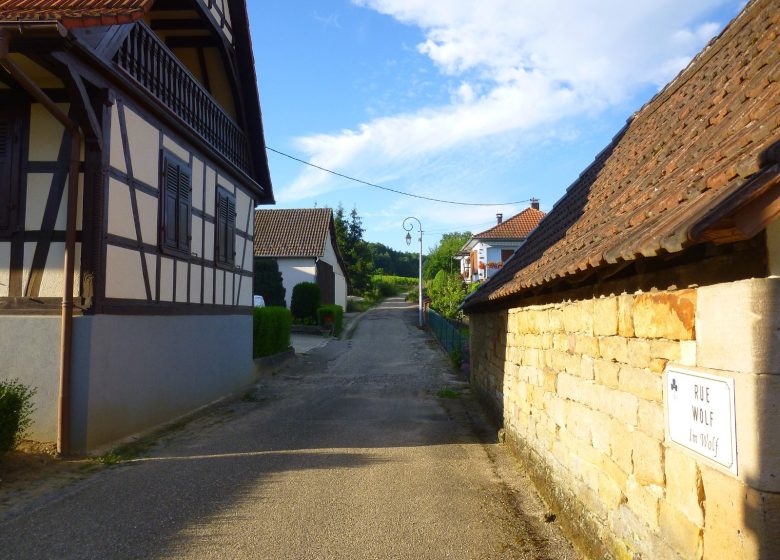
column 303, row 241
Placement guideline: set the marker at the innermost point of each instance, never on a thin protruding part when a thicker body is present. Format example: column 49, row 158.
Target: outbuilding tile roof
column 516, row 227
column 292, row 233
column 682, row 157
column 75, row 13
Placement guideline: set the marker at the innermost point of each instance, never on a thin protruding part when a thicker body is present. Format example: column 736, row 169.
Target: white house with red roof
column 486, row 252
column 303, row 243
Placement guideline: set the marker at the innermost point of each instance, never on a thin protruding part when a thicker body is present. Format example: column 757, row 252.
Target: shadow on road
column 342, row 407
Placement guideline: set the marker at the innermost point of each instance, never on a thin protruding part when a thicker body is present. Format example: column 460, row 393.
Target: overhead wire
column 374, row 185
column 465, row 228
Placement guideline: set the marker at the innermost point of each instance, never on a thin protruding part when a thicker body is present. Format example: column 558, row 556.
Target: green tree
column 447, row 291
column 441, row 257
column 341, row 229
column 391, row 262
column 268, row 282
column 355, row 251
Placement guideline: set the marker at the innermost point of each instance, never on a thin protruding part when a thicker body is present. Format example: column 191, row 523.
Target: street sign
column 700, row 414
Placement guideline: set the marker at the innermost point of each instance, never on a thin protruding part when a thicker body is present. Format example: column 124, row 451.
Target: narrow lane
column 348, row 454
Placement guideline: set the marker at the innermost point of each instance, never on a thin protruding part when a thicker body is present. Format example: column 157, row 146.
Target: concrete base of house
column 130, row 373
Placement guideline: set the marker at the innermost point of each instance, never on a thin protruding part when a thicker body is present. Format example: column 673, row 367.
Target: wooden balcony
column 148, row 61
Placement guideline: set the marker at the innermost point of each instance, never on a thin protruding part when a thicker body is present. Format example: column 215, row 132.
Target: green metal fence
column 453, row 338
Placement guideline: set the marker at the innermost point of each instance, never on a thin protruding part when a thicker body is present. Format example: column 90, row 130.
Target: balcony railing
column 150, row 63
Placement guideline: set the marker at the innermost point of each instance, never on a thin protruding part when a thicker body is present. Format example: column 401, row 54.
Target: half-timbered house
column 131, row 159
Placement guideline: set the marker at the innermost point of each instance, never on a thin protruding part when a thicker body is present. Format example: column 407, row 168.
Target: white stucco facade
column 295, row 271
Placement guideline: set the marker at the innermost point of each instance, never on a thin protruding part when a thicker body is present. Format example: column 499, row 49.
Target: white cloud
column 521, row 66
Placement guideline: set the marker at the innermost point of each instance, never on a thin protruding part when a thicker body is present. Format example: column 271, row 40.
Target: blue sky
column 488, row 101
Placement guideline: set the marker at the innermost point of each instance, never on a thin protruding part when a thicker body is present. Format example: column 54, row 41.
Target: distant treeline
column 391, row 262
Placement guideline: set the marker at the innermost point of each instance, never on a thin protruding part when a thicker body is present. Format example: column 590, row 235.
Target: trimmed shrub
column 271, row 333
column 331, row 315
column 16, row 410
column 268, row 282
column 305, row 301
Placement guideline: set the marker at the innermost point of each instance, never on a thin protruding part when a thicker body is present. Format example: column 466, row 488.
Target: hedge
column 16, row 410
column 271, row 331
column 305, row 300
column 331, row 315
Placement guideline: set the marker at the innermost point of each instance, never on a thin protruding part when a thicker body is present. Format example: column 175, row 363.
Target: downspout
column 54, row 30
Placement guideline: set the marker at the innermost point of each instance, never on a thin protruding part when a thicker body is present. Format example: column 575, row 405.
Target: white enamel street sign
column 700, row 414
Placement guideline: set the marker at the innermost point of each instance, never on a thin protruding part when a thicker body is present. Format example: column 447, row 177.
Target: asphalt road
column 348, row 453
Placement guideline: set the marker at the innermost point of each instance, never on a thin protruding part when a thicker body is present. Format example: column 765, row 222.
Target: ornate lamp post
column 409, row 229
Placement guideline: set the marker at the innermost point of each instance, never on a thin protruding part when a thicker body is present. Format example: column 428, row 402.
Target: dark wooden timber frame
column 92, row 85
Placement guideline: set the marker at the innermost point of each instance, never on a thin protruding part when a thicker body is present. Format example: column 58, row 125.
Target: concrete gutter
column 270, row 365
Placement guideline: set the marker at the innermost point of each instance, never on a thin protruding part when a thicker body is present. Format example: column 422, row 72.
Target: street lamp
column 409, row 229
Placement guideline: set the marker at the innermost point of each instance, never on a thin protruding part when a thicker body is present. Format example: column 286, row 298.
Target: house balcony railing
column 146, row 59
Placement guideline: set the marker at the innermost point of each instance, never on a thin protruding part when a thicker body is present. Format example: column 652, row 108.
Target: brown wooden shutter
column 221, row 219
column 184, row 210
column 177, row 205
column 8, row 180
column 169, row 204
column 230, row 230
column 226, row 228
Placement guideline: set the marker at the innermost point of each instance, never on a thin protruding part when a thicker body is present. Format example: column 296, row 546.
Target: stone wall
column 579, row 383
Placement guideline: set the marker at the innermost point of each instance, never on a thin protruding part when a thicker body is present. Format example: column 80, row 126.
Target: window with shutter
column 176, row 214
column 226, row 229
column 9, row 180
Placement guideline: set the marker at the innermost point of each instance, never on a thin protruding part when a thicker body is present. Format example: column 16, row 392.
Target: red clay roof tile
column 292, row 233
column 691, row 148
column 516, row 227
column 75, row 13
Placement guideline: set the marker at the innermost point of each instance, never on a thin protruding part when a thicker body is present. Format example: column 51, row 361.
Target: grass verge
column 448, row 393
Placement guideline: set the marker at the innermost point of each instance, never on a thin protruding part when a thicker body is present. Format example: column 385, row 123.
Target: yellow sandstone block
column 600, row 431
column 665, row 315
column 658, row 365
column 650, row 417
column 586, row 367
column 610, row 491
column 642, row 383
column 625, row 315
column 648, row 457
column 638, row 352
column 587, row 346
column 605, row 316
column 620, row 405
column 735, row 522
column 611, row 469
column 679, row 533
column 614, row 348
column 572, row 318
column 684, row 489
column 665, row 349
column 573, row 364
column 606, row 373
column 644, row 502
column 621, row 443
column 555, row 317
column 550, row 380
